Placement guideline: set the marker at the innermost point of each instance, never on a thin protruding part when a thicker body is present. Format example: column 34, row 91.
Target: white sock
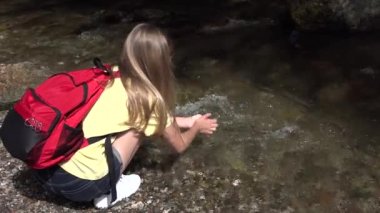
column 125, row 187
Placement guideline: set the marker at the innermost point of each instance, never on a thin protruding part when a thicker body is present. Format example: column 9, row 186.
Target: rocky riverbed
column 174, row 189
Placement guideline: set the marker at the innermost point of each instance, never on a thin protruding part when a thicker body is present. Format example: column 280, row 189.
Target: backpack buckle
column 98, row 63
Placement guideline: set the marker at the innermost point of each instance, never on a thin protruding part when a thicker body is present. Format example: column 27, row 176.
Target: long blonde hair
column 146, row 61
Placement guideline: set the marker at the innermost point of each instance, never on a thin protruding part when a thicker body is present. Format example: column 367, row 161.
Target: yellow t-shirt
column 108, row 115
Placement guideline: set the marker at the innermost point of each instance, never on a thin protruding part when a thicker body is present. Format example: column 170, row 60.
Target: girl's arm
column 181, row 140
column 186, row 122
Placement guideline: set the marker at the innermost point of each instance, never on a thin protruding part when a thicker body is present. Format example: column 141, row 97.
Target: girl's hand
column 205, row 124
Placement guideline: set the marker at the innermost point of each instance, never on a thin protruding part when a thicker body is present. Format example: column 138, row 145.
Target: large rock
column 15, row 78
column 352, row 15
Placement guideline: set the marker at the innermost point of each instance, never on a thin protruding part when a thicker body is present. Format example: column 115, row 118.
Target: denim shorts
column 59, row 182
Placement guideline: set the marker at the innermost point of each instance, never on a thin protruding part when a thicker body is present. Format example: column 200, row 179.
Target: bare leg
column 127, row 143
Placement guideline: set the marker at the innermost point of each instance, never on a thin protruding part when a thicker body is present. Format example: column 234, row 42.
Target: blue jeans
column 58, row 181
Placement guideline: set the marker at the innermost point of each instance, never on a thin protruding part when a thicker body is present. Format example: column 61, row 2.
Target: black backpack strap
column 111, row 167
column 95, row 139
column 110, row 162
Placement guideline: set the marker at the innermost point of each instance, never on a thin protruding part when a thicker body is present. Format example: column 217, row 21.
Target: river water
column 298, row 112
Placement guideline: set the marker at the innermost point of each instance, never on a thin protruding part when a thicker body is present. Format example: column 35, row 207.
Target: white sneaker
column 125, row 187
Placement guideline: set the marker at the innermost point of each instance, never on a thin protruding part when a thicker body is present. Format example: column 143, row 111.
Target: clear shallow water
column 302, row 145
column 288, row 156
column 298, row 127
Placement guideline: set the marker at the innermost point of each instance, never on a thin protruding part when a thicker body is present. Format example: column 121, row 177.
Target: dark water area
column 298, row 111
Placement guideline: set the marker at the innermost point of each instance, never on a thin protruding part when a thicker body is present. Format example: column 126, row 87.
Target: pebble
column 236, row 182
column 137, row 205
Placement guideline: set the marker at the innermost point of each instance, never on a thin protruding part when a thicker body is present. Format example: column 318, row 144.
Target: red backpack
column 44, row 127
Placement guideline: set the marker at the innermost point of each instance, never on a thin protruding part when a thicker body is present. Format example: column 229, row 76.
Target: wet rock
column 332, row 129
column 336, row 14
column 149, row 14
column 284, row 132
column 369, row 71
column 15, row 78
column 90, row 37
column 231, row 24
